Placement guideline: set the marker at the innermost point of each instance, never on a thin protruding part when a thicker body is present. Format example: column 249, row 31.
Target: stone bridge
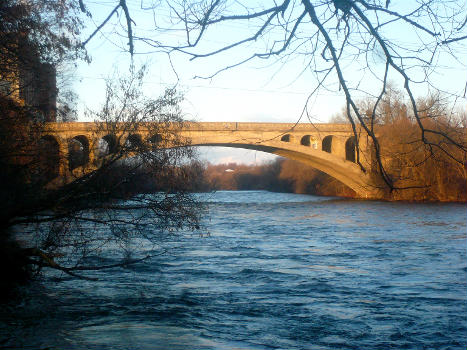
column 326, row 147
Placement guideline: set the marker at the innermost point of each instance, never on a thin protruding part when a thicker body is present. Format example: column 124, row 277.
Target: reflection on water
column 133, row 335
column 279, row 271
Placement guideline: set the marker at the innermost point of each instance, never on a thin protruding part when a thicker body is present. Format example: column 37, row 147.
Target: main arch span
column 326, row 147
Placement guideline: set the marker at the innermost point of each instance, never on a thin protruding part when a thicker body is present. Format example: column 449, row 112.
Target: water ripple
column 280, row 271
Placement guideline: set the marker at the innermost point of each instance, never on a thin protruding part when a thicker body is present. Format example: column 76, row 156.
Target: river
column 276, row 271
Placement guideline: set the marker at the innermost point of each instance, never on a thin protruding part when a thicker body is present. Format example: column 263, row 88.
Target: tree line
column 420, row 167
column 280, row 175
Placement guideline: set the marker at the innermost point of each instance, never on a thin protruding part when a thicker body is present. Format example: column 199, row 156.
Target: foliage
column 50, row 29
column 434, row 169
column 35, row 33
column 420, row 170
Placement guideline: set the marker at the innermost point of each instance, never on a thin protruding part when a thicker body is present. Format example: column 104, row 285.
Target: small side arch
column 309, row 141
column 286, row 138
column 107, row 145
column 305, row 141
column 350, row 149
column 134, row 141
column 78, row 151
column 326, row 144
column 155, row 141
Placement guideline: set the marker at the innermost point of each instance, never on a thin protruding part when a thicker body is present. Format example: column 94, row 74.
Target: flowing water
column 278, row 271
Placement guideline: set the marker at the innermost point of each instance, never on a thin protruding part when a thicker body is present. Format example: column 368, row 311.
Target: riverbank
column 289, row 176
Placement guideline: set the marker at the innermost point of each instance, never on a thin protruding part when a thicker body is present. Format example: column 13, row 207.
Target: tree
column 97, row 209
column 380, row 40
column 424, row 174
column 36, row 37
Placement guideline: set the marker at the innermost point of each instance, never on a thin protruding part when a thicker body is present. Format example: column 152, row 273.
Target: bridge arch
column 305, row 140
column 286, row 138
column 346, row 172
column 78, row 151
column 310, row 141
column 155, row 139
column 134, row 141
column 350, row 149
column 327, row 143
column 106, row 145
